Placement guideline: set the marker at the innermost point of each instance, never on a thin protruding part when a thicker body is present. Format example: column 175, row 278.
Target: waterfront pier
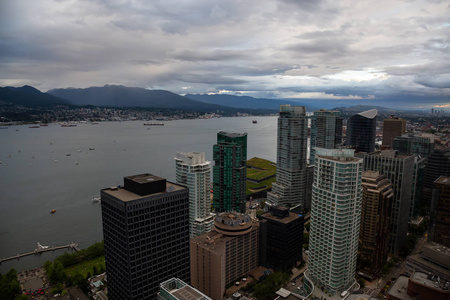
column 41, row 249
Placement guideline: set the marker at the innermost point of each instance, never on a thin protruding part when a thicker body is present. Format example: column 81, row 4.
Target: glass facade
column 290, row 186
column 326, row 131
column 230, row 172
column 361, row 131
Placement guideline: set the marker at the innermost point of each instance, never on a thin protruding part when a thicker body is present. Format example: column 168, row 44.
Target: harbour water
column 63, row 168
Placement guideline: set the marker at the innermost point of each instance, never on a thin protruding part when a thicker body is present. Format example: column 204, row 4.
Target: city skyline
column 367, row 53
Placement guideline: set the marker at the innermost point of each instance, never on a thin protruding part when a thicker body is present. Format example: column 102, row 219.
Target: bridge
column 41, row 249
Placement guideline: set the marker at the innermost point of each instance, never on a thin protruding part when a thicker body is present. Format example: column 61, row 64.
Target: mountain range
column 133, row 97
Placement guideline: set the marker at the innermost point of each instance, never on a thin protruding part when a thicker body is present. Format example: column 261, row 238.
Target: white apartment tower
column 290, row 186
column 335, row 219
column 194, row 172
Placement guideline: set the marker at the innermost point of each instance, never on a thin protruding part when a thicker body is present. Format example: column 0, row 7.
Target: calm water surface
column 37, row 174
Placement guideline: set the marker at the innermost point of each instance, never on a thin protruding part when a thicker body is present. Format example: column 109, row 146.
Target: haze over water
column 36, row 175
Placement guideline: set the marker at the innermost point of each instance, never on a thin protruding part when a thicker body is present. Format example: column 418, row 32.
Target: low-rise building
column 419, row 285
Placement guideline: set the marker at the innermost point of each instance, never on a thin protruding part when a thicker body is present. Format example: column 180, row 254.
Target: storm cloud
column 368, row 50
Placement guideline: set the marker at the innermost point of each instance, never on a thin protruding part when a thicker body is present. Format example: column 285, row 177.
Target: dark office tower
column 440, row 212
column 374, row 226
column 290, row 186
column 146, row 234
column 392, row 128
column 361, row 131
column 284, row 238
column 399, row 169
column 438, row 164
column 418, row 144
column 309, row 185
column 230, row 172
column 326, row 131
column 417, row 186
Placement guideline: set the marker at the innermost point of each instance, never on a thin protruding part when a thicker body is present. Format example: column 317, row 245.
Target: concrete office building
column 439, row 231
column 418, row 144
column 326, row 131
column 146, row 235
column 177, row 289
column 375, row 221
column 392, row 128
column 194, row 172
column 335, row 219
column 225, row 254
column 361, row 131
column 230, row 172
column 290, row 186
column 284, row 238
column 399, row 169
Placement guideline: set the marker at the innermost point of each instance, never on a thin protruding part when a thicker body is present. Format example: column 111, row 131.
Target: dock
column 41, row 249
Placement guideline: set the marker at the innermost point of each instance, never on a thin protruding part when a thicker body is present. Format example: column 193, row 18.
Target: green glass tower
column 230, row 172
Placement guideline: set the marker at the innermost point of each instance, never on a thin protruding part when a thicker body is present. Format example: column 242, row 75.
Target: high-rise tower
column 290, row 186
column 230, row 172
column 361, row 131
column 399, row 169
column 193, row 172
column 326, row 131
column 374, row 229
column 392, row 127
column 146, row 234
column 335, row 219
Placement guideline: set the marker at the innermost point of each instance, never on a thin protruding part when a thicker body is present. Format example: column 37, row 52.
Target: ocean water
column 53, row 168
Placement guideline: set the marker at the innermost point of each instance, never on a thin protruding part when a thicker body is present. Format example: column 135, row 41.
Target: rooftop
column 181, row 290
column 285, row 220
column 443, row 180
column 341, row 155
column 399, row 288
column 232, row 134
column 126, row 196
column 429, row 280
column 371, row 174
column 370, row 114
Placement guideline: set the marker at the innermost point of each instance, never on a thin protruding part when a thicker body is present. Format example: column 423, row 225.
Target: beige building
column 224, row 255
column 374, row 226
column 392, row 128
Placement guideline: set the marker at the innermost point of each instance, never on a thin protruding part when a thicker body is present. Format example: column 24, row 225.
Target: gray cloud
column 271, row 48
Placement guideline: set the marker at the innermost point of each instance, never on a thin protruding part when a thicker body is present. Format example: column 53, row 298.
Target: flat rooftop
column 399, row 288
column 443, row 180
column 126, row 196
column 188, row 293
column 427, row 280
column 292, row 216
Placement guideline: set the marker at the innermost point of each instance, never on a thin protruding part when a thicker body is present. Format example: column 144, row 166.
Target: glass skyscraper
column 290, row 186
column 335, row 219
column 230, row 172
column 326, row 131
column 361, row 131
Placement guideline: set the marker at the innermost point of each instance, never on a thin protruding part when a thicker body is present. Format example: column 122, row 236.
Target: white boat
column 96, row 199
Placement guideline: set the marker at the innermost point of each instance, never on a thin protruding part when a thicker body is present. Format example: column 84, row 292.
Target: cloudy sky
column 364, row 51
